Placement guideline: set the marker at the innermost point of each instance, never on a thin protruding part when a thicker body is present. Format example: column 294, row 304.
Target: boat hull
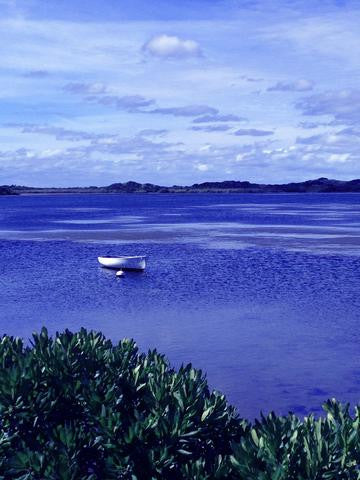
column 123, row 263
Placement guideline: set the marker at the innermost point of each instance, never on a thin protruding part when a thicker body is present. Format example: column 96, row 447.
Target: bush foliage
column 77, row 407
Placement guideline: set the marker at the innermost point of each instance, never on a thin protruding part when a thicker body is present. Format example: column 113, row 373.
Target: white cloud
column 202, row 167
column 50, row 153
column 338, row 158
column 205, row 148
column 240, row 157
column 166, row 46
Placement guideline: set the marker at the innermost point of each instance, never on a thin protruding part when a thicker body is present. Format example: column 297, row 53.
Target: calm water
column 260, row 291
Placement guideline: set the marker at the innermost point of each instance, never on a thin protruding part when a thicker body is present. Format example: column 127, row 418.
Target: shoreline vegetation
column 320, row 185
column 76, row 406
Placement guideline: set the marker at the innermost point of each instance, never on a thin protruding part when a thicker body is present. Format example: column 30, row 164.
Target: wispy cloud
column 325, row 36
column 342, row 105
column 130, row 103
column 36, row 74
column 313, row 139
column 301, row 85
column 310, row 125
column 212, row 128
column 247, row 78
column 353, row 131
column 186, row 111
column 99, row 93
column 79, row 88
column 253, row 132
column 217, row 117
column 149, row 132
column 59, row 133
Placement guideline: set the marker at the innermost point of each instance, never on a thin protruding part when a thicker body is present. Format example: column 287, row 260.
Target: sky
column 177, row 92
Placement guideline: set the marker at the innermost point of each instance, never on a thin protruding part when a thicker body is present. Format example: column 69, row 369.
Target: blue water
column 259, row 291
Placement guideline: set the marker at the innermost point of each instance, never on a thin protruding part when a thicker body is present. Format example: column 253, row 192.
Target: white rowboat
column 123, row 263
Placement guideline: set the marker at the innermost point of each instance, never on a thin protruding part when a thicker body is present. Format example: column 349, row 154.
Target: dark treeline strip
column 320, row 185
column 78, row 407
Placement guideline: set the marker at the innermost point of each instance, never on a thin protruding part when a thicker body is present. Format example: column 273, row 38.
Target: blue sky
column 172, row 92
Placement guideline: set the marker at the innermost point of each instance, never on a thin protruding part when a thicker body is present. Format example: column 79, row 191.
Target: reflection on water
column 311, row 223
column 261, row 292
column 342, row 240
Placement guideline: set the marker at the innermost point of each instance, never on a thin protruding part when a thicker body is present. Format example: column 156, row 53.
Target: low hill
column 5, row 190
column 319, row 185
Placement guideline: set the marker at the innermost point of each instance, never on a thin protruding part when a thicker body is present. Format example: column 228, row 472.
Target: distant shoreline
column 320, row 185
column 217, row 192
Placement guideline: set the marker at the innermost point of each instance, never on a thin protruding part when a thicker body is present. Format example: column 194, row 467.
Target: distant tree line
column 319, row 185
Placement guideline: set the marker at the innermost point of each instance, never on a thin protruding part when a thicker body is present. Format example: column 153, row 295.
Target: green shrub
column 76, row 407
